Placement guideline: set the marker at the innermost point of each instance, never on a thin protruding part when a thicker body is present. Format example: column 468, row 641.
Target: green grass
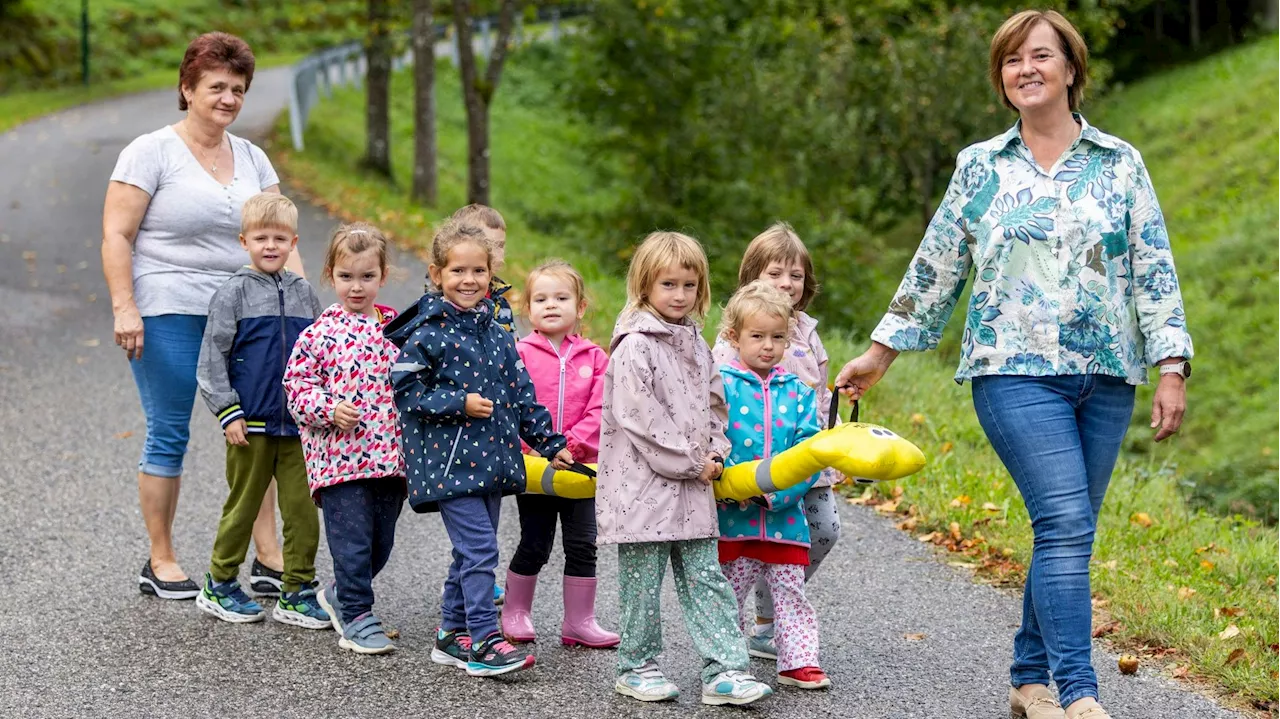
column 25, row 105
column 543, row 183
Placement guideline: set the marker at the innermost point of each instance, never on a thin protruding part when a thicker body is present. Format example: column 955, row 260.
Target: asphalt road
column 78, row 640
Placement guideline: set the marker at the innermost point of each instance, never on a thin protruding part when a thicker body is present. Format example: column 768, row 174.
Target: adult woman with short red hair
column 170, row 230
column 1074, row 298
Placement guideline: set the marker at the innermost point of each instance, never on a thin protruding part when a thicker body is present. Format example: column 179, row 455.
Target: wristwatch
column 1179, row 368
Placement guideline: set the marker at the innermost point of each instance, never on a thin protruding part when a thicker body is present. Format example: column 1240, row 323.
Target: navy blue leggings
column 360, row 524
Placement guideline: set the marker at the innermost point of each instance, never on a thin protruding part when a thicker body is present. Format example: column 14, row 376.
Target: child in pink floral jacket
column 338, row 384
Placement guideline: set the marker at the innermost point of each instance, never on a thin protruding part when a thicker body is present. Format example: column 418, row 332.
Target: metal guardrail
column 345, row 65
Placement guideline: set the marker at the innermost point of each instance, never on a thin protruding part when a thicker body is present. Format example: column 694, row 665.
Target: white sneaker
column 734, row 687
column 646, row 684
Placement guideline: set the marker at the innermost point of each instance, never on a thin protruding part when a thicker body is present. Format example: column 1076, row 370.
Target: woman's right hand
column 863, row 371
column 129, row 331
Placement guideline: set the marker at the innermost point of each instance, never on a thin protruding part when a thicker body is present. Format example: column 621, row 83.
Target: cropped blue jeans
column 1059, row 437
column 166, row 379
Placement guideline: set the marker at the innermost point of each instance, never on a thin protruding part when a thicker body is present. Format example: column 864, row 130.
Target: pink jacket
column 807, row 359
column 344, row 356
column 664, row 411
column 569, row 382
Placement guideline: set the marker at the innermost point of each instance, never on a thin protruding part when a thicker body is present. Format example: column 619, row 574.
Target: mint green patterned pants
column 710, row 609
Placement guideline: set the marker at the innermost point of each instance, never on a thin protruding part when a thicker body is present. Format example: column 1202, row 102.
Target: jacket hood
column 645, row 322
column 433, row 306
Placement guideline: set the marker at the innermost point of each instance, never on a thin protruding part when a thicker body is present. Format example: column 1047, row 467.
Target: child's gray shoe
column 365, row 635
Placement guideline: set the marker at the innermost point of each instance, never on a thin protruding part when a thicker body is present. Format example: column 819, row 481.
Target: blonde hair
column 268, row 209
column 659, row 251
column 560, row 269
column 453, row 233
column 1014, row 32
column 753, row 298
column 354, row 238
column 779, row 243
column 483, row 215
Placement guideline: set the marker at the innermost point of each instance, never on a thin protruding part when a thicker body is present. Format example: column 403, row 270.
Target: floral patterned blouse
column 1073, row 271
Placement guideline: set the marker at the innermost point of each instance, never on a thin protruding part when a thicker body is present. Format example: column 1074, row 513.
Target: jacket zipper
column 768, row 449
column 560, row 392
column 448, row 465
column 284, row 351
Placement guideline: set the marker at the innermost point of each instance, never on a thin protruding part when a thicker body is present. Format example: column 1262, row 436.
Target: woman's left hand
column 1168, row 406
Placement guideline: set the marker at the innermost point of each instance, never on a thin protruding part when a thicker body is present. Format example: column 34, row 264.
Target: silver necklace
column 200, row 150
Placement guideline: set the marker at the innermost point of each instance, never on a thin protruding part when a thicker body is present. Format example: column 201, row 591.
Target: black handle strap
column 581, row 468
column 833, row 414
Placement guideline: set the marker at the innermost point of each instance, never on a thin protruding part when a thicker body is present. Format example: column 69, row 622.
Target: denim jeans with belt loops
column 1059, row 437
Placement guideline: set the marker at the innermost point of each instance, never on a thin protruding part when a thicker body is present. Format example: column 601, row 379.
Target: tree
column 378, row 89
column 424, row 103
column 478, row 91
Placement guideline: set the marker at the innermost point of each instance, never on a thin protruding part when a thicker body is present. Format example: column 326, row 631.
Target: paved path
column 77, row 640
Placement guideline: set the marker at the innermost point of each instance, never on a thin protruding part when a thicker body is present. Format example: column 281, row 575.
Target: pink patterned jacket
column 344, row 356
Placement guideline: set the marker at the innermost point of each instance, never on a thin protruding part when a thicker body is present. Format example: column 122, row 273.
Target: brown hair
column 268, row 209
column 214, row 51
column 453, row 233
column 354, row 238
column 756, row 297
column 483, row 214
column 779, row 243
column 659, row 251
column 1014, row 32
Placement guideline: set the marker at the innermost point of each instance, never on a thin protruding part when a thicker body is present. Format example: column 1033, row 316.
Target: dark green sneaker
column 228, row 602
column 301, row 609
column 452, row 648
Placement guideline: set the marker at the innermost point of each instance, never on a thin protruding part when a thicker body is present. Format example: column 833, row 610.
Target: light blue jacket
column 765, row 418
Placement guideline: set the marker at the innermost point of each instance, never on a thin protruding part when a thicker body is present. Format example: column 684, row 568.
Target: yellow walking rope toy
column 864, row 452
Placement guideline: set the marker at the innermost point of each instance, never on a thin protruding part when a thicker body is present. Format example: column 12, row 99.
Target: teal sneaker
column 452, row 649
column 646, row 684
column 228, row 602
column 762, row 646
column 301, row 609
column 734, row 687
column 499, row 595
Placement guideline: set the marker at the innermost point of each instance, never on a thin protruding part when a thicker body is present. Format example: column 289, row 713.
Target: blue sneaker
column 734, row 687
column 301, row 609
column 499, row 595
column 328, row 598
column 228, row 602
column 762, row 646
column 364, row 635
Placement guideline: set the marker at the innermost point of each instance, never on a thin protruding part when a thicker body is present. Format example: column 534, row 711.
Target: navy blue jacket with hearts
column 447, row 353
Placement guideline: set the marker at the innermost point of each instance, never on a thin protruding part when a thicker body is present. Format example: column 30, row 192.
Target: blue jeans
column 472, row 524
column 1059, row 438
column 166, row 379
column 360, row 524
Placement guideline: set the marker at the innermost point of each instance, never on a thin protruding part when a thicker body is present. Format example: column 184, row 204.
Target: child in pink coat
column 568, row 378
column 338, row 385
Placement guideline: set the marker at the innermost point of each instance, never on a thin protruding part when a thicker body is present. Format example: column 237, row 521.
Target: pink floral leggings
column 795, row 621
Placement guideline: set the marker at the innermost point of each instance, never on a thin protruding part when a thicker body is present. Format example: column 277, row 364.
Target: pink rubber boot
column 517, row 623
column 580, row 616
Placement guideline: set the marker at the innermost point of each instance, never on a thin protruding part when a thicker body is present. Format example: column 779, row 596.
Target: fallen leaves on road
column 928, row 537
column 954, row 531
column 914, row 637
column 1230, row 632
column 125, row 435
column 1103, row 630
column 90, row 342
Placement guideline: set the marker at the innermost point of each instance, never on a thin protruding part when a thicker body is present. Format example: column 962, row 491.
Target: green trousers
column 249, row 472
column 707, row 599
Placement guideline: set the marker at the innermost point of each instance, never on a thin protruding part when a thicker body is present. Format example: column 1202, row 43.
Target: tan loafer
column 1093, row 712
column 1041, row 705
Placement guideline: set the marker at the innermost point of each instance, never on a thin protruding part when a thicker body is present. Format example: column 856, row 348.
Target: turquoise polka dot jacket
column 765, row 418
column 447, row 353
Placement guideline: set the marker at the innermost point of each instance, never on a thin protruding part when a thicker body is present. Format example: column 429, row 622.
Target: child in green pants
column 254, row 320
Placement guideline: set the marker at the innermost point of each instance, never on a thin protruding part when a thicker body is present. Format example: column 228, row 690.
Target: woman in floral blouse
column 1074, row 297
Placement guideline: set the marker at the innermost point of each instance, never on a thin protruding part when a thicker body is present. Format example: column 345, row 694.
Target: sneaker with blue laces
column 734, row 687
column 762, row 646
column 328, row 598
column 646, row 684
column 453, row 648
column 499, row 595
column 365, row 635
column 228, row 602
column 301, row 609
column 495, row 655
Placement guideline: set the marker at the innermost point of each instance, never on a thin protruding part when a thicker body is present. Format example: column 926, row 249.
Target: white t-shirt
column 188, row 242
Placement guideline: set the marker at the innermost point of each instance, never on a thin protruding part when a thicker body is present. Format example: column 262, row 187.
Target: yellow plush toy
column 855, row 449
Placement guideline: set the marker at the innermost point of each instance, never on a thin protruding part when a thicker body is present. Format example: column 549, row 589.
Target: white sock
column 763, row 630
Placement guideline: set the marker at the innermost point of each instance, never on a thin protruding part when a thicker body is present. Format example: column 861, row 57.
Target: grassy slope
column 539, row 183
